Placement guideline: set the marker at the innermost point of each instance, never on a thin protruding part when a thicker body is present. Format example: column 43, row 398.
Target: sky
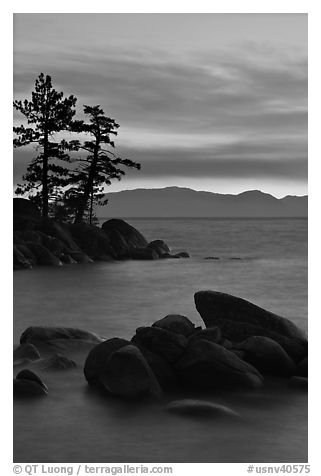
column 214, row 102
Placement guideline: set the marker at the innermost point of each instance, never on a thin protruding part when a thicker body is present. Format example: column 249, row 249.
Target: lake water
column 113, row 299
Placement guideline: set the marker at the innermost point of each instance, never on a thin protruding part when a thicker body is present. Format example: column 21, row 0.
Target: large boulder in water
column 200, row 408
column 161, row 368
column 267, row 356
column 163, row 342
column 176, row 323
column 40, row 334
column 98, row 356
column 123, row 237
column 205, row 365
column 128, row 375
column 239, row 319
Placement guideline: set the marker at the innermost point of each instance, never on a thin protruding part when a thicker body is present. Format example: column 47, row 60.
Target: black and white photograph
column 160, row 239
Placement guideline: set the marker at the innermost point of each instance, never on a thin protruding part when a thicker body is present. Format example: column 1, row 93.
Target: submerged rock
column 205, row 365
column 163, row 342
column 200, row 408
column 55, row 362
column 176, row 323
column 143, row 253
column 128, row 375
column 25, row 352
column 98, row 356
column 267, row 356
column 36, row 334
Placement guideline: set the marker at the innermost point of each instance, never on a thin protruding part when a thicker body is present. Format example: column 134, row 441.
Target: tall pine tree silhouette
column 100, row 166
column 47, row 113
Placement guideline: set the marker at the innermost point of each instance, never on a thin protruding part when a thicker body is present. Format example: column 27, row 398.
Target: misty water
column 262, row 260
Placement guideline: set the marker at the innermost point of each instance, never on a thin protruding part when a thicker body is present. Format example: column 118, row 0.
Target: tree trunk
column 45, row 193
column 88, row 189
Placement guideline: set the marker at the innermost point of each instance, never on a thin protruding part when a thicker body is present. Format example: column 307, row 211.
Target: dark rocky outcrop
column 128, row 375
column 267, row 356
column 19, row 260
column 200, row 408
column 98, row 356
column 40, row 334
column 42, row 255
column 239, row 319
column 176, row 323
column 93, row 241
column 28, row 384
column 24, row 207
column 161, row 368
column 205, row 365
column 168, row 345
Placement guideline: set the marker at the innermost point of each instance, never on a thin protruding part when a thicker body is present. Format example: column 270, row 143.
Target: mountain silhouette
column 185, row 202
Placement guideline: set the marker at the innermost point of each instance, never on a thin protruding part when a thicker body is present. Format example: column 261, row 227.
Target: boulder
column 92, row 240
column 128, row 375
column 240, row 319
column 67, row 259
column 160, row 341
column 60, row 231
column 214, row 305
column 28, row 384
column 267, row 356
column 123, row 237
column 205, row 365
column 29, row 256
column 212, row 334
column 160, row 247
column 143, row 253
column 19, row 260
column 302, row 368
column 200, row 408
column 98, row 357
column 36, row 334
column 80, row 257
column 298, row 383
column 25, row 352
column 161, row 368
column 43, row 256
column 176, row 323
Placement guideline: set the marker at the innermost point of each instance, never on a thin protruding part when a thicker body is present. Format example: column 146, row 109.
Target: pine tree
column 99, row 167
column 49, row 112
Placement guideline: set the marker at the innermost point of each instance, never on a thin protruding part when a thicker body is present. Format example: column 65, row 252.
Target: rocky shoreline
column 241, row 347
column 46, row 242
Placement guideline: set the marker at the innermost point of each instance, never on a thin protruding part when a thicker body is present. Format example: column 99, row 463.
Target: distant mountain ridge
column 185, row 202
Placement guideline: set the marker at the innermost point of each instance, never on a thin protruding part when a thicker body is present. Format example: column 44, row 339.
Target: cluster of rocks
column 241, row 344
column 47, row 242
